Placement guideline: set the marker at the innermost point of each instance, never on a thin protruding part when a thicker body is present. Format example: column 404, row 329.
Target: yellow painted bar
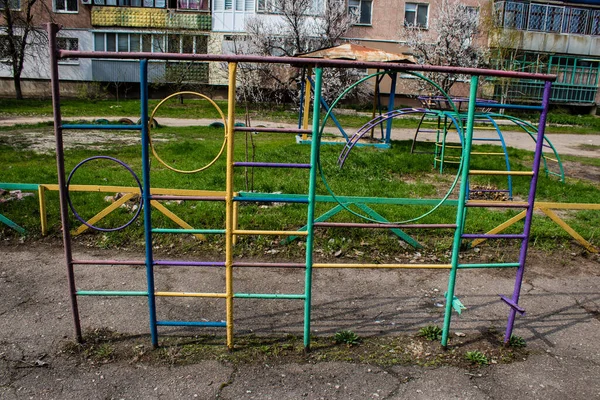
column 235, row 220
column 103, row 213
column 306, row 111
column 491, row 172
column 190, row 294
column 134, row 189
column 389, row 266
column 173, row 217
column 229, row 218
column 281, row 233
column 43, row 213
column 501, row 227
column 567, row 206
column 569, row 230
column 550, row 159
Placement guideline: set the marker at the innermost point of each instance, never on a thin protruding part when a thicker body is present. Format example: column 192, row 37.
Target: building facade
column 561, row 37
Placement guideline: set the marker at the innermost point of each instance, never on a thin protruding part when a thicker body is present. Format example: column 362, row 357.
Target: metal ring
column 83, row 221
column 224, row 136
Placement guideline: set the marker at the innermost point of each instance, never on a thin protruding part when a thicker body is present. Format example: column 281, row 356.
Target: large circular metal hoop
column 224, row 135
column 322, row 172
column 83, row 221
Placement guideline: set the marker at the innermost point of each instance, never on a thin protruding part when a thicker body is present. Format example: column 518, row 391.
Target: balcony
column 150, row 18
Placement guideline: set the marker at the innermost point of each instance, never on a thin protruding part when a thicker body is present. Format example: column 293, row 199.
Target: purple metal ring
column 83, row 221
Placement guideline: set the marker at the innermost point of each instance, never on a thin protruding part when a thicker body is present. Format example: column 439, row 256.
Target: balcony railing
column 547, row 18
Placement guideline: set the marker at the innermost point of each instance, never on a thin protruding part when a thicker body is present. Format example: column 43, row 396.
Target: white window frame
column 66, row 9
column 355, row 7
column 415, row 8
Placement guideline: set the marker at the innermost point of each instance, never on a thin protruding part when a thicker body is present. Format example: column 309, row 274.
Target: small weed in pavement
column 430, row 332
column 348, row 338
column 476, row 357
column 517, row 342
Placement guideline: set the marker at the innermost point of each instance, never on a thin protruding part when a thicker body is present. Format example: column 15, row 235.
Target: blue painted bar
column 206, row 324
column 145, row 133
column 103, row 127
column 270, row 165
column 273, row 200
column 510, row 106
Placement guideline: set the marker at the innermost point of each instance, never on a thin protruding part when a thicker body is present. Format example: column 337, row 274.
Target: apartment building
column 561, row 37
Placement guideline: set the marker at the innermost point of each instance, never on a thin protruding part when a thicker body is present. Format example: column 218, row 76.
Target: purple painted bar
column 268, row 265
column 506, row 204
column 512, row 304
column 271, row 130
column 109, row 262
column 529, row 215
column 492, row 236
column 303, row 61
column 177, row 263
column 195, row 198
column 60, row 167
column 382, row 226
column 270, row 165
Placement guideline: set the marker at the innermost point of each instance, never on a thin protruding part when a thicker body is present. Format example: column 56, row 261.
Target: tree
column 453, row 39
column 290, row 28
column 20, row 38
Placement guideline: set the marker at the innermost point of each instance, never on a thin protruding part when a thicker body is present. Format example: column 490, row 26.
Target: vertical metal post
column 229, row 209
column 314, row 157
column 146, row 200
column 391, row 107
column 460, row 211
column 530, row 207
column 60, row 167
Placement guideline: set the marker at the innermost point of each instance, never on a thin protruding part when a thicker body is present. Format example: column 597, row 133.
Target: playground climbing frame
column 310, row 199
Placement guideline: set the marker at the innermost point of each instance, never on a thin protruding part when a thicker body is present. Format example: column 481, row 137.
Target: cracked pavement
column 562, row 328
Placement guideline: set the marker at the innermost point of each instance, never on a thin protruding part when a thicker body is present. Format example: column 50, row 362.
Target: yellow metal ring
column 224, row 136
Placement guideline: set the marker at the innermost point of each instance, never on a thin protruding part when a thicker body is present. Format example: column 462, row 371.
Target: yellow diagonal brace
column 171, row 215
column 501, row 227
column 103, row 213
column 43, row 213
column 569, row 230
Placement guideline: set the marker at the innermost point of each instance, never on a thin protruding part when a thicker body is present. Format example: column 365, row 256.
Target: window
column 5, row 46
column 595, row 22
column 134, row 42
column 12, row 4
column 416, row 15
column 362, row 10
column 65, row 6
column 192, row 5
column 65, row 43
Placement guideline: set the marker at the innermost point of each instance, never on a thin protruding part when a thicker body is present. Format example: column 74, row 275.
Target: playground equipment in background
column 441, row 118
column 148, row 195
column 353, row 52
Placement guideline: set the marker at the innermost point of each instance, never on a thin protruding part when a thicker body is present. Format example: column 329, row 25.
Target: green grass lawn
column 369, row 172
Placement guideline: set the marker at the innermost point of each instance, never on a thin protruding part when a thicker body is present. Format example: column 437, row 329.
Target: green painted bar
column 461, row 211
column 269, row 296
column 312, row 192
column 194, row 231
column 109, row 293
column 498, row 265
column 19, row 186
column 12, row 225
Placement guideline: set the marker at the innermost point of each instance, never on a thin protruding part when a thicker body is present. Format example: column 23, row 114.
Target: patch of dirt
column 42, row 141
column 577, row 170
